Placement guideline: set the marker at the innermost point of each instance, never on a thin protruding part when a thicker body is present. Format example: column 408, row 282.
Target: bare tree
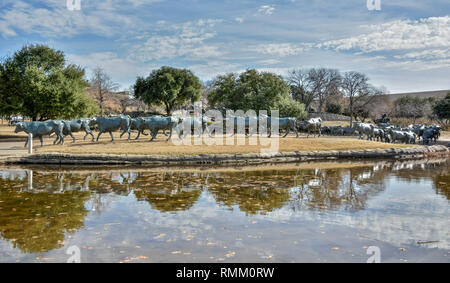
column 300, row 85
column 358, row 92
column 412, row 108
column 124, row 100
column 324, row 83
column 102, row 84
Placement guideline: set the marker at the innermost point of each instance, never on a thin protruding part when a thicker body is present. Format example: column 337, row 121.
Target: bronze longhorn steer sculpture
column 39, row 129
column 111, row 124
column 74, row 126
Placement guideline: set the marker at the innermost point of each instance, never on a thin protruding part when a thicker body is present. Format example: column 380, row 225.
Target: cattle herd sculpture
column 383, row 132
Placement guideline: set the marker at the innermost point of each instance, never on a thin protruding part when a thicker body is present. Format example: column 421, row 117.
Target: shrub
column 335, row 108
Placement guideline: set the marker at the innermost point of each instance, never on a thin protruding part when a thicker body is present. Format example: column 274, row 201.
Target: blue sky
column 404, row 47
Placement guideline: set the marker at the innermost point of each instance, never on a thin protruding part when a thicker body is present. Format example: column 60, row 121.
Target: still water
column 322, row 212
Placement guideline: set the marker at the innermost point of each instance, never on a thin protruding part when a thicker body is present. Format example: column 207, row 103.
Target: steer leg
column 139, row 134
column 170, row 134
column 42, row 141
column 124, row 132
column 74, row 139
column 88, row 131
column 87, row 134
column 26, row 142
column 69, row 130
column 153, row 134
column 61, row 140
column 288, row 130
column 112, row 137
column 99, row 134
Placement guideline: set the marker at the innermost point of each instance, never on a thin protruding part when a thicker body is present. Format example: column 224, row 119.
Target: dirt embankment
column 226, row 159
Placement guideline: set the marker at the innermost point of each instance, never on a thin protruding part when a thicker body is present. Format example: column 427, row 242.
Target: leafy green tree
column 36, row 82
column 289, row 107
column 254, row 90
column 170, row 87
column 442, row 110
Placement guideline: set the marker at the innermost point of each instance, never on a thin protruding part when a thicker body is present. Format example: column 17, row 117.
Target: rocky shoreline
column 225, row 159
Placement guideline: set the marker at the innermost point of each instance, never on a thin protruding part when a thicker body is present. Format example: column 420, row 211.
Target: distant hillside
column 439, row 94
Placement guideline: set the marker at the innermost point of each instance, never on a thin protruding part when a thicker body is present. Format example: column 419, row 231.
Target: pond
column 322, row 212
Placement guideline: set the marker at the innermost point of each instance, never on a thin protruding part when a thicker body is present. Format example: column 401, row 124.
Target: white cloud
column 279, row 49
column 187, row 39
column 266, row 9
column 418, row 65
column 433, row 32
column 212, row 68
column 426, row 54
column 279, row 71
column 5, row 30
column 239, row 20
column 269, row 62
column 100, row 18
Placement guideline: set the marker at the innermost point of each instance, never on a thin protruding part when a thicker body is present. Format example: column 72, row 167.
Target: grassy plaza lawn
column 162, row 147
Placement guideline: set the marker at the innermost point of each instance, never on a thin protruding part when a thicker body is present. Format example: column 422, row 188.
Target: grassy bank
column 160, row 146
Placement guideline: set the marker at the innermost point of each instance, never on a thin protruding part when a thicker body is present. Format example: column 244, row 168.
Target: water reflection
column 39, row 208
column 37, row 221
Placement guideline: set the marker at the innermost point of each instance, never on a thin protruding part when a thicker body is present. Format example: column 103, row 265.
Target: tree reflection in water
column 347, row 189
column 36, row 218
column 38, row 222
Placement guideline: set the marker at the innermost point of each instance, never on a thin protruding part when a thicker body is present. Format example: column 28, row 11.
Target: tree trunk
column 168, row 110
column 351, row 115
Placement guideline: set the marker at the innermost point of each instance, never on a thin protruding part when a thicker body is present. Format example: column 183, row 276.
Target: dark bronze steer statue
column 75, row 126
column 39, row 129
column 287, row 124
column 430, row 134
column 197, row 125
column 112, row 124
column 157, row 123
column 137, row 125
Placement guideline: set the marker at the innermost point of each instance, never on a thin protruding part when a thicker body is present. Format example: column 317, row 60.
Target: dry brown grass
column 9, row 131
column 160, row 146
